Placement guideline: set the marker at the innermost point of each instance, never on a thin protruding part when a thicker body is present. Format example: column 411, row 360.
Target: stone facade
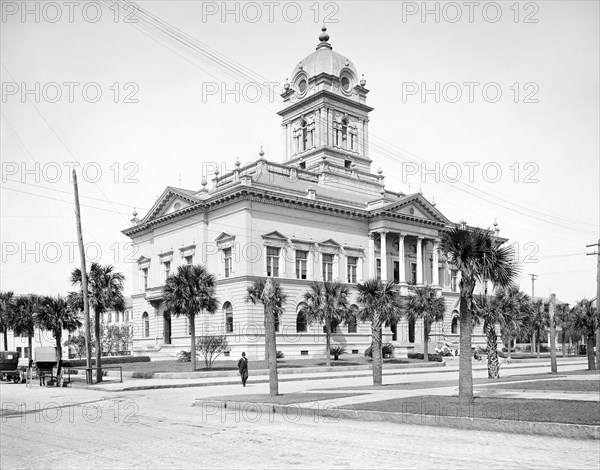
column 321, row 214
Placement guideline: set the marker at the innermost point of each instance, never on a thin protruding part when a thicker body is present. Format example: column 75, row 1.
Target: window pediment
column 143, row 262
column 166, row 257
column 274, row 239
column 189, row 250
column 225, row 240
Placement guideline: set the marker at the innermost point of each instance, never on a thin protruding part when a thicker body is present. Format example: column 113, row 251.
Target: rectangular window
column 327, row 267
column 272, row 262
column 352, row 268
column 453, row 276
column 167, row 269
column 227, row 261
column 145, row 274
column 26, row 353
column 301, row 261
column 413, row 272
column 441, row 280
column 109, row 315
column 397, row 272
column 189, row 260
column 378, row 272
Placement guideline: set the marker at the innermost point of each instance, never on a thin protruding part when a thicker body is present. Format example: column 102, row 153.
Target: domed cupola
column 326, row 61
column 325, row 118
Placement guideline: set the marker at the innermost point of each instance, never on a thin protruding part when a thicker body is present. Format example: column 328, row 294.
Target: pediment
column 330, row 242
column 224, row 237
column 275, row 236
column 414, row 206
column 172, row 200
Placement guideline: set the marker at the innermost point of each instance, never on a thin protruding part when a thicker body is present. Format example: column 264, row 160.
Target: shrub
column 184, row 356
column 279, row 355
column 432, row 357
column 336, row 351
column 211, row 347
column 387, row 350
column 106, row 360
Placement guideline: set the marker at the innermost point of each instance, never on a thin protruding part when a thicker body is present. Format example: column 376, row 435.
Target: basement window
column 304, row 353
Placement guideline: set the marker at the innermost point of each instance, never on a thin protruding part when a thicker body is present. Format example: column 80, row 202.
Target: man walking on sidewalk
column 243, row 368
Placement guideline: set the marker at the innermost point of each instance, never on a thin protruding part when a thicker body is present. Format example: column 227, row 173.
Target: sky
column 490, row 109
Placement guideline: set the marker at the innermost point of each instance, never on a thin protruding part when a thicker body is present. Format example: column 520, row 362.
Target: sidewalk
column 167, row 380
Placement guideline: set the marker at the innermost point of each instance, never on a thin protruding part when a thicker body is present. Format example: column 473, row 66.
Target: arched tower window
column 228, row 312
column 301, row 320
column 344, row 133
column 146, row 324
column 304, row 136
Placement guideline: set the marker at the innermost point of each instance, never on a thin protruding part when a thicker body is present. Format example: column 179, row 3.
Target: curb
column 329, row 412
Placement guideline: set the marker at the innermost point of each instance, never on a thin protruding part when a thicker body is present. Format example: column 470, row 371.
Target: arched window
column 304, row 136
column 228, row 311
column 454, row 326
column 344, row 133
column 352, row 319
column 146, row 324
column 301, row 321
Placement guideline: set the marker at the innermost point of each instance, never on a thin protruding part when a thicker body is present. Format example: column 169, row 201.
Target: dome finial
column 324, row 37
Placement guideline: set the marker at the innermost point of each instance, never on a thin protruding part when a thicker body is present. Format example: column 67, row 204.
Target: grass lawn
column 553, row 385
column 287, row 399
column 514, row 409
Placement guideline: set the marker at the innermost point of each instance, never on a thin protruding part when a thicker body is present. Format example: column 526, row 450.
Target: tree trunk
column 532, row 343
column 376, row 352
column 509, row 346
column 425, row 341
column 465, row 363
column 590, row 352
column 30, row 345
column 98, row 348
column 266, row 341
column 538, row 342
column 5, row 334
column 562, row 334
column 328, row 344
column 58, row 335
column 270, row 332
column 193, row 345
column 492, row 350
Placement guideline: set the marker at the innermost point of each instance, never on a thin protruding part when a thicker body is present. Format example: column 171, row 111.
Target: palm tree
column 56, row 315
column 539, row 320
column 188, row 292
column 478, row 257
column 585, row 323
column 269, row 293
column 6, row 304
column 562, row 318
column 105, row 288
column 425, row 304
column 380, row 303
column 514, row 308
column 327, row 302
column 21, row 318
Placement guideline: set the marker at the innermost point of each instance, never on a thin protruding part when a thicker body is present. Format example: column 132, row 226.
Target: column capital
column 383, row 232
column 372, row 235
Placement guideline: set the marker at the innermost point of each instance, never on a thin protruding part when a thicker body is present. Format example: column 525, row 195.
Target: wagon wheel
column 17, row 378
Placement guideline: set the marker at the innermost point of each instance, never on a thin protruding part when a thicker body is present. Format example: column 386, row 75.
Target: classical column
column 371, row 257
column 435, row 273
column 383, row 254
column 311, row 264
column 420, row 260
column 285, row 143
column 401, row 259
column 366, row 138
column 359, row 269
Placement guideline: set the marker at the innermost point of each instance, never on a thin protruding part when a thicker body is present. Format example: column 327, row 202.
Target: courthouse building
column 316, row 212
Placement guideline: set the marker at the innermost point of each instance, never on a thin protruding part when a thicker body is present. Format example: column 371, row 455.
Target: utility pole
column 597, row 253
column 533, row 278
column 84, row 287
column 533, row 340
column 553, row 367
